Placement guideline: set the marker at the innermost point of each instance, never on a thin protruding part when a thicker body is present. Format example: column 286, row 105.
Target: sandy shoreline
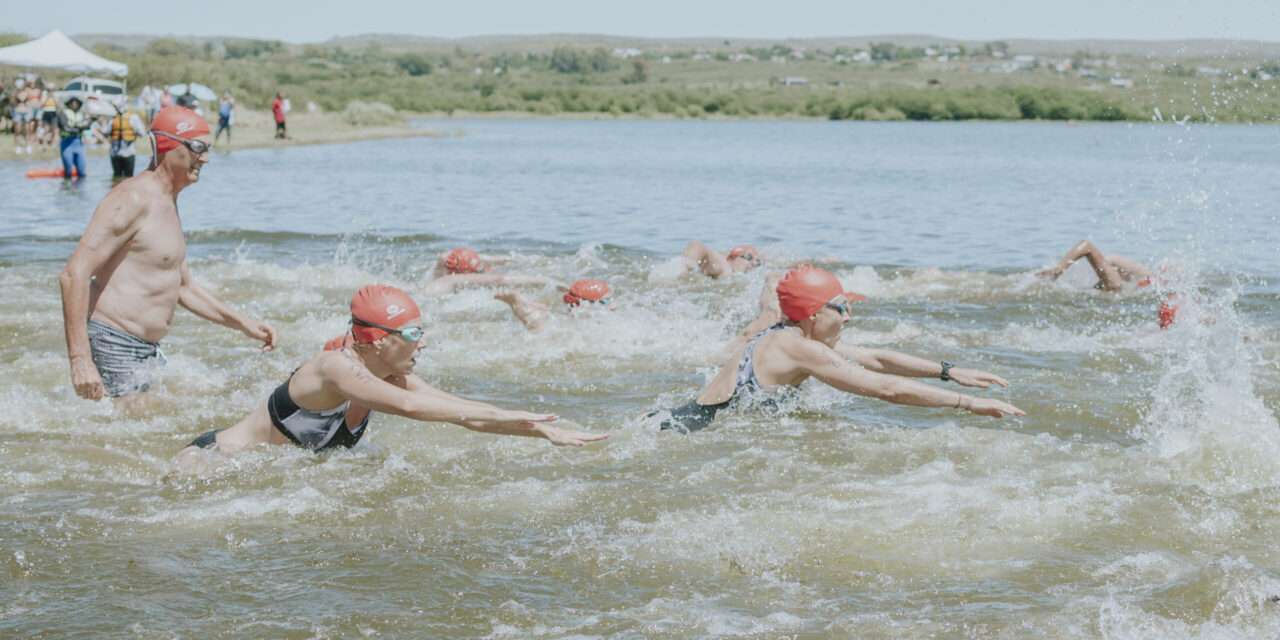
column 256, row 130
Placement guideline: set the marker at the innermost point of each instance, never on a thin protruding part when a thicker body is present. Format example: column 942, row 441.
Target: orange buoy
column 50, row 173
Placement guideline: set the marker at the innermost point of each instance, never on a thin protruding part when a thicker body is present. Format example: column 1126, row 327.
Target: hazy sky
column 299, row 21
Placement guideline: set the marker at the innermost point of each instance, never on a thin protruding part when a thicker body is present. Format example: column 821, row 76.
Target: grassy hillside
column 909, row 77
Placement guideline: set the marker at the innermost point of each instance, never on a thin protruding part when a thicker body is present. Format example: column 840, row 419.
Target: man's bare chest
column 159, row 244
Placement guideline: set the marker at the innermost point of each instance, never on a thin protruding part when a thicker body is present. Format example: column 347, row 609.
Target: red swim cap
column 177, row 121
column 338, row 343
column 381, row 304
column 589, row 290
column 463, row 260
column 1168, row 311
column 746, row 251
column 804, row 290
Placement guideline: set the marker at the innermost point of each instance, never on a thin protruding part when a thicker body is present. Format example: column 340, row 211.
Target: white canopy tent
column 55, row 50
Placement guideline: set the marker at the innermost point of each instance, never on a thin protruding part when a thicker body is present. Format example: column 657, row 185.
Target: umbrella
column 196, row 89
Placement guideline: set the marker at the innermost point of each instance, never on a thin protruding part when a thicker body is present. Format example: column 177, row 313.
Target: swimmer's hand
column 993, row 408
column 261, row 331
column 976, row 378
column 1052, row 273
column 568, row 438
column 86, row 379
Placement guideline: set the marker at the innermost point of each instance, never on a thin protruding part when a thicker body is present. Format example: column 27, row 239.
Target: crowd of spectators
column 43, row 123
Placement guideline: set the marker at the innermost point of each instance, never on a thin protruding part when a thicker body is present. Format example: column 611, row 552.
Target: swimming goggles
column 410, row 334
column 844, row 308
column 197, row 147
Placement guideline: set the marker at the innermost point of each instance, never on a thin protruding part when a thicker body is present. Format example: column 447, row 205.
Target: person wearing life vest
column 126, row 127
column 803, row 345
column 579, row 297
column 73, row 122
column 48, row 131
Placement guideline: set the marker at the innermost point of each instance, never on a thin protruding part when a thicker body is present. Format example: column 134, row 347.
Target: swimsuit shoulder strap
column 746, row 368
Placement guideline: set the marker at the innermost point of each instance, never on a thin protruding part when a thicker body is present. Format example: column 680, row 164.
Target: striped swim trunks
column 125, row 362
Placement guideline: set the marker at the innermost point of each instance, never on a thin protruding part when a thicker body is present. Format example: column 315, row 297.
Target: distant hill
column 542, row 42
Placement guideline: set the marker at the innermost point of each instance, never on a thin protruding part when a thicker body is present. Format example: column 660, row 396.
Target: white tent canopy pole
column 55, row 50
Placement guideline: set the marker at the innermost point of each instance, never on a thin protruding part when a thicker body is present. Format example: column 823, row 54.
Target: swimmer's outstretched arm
column 419, row 401
column 533, row 315
column 902, row 364
column 556, row 435
column 825, row 364
column 1107, row 273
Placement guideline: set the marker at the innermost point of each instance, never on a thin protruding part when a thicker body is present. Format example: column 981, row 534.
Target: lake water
column 1139, row 498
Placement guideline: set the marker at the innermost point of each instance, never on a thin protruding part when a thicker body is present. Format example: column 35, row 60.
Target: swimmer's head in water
column 804, row 290
column 587, row 290
column 744, row 257
column 1167, row 312
column 463, row 260
column 378, row 310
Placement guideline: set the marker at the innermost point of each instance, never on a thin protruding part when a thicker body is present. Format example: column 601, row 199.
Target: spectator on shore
column 22, row 115
column 226, row 111
column 126, row 127
column 149, row 101
column 47, row 125
column 73, row 122
column 5, row 109
column 277, row 110
column 166, row 99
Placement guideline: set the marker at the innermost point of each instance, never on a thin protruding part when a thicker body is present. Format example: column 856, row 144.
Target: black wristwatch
column 946, row 371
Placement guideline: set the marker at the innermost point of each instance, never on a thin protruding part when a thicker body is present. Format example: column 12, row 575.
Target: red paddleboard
column 50, row 173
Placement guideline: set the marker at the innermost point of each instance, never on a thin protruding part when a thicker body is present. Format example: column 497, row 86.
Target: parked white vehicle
column 97, row 94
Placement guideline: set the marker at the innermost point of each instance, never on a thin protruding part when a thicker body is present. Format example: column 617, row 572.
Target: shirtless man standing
column 129, row 271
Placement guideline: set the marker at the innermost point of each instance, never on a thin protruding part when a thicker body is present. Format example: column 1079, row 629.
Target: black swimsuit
column 313, row 430
column 695, row 417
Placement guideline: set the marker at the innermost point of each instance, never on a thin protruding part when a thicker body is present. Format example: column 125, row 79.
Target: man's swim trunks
column 125, row 362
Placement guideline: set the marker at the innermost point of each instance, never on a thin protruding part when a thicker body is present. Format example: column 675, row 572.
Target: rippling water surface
column 1138, row 498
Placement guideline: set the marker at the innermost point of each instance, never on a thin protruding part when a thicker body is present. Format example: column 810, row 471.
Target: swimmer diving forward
column 326, row 402
column 802, row 346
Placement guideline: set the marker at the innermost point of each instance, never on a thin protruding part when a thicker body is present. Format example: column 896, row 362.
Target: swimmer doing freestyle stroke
column 804, row 345
column 1117, row 274
column 581, row 295
column 462, row 267
column 326, row 402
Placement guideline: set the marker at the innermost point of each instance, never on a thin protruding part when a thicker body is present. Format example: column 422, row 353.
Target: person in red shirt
column 277, row 109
